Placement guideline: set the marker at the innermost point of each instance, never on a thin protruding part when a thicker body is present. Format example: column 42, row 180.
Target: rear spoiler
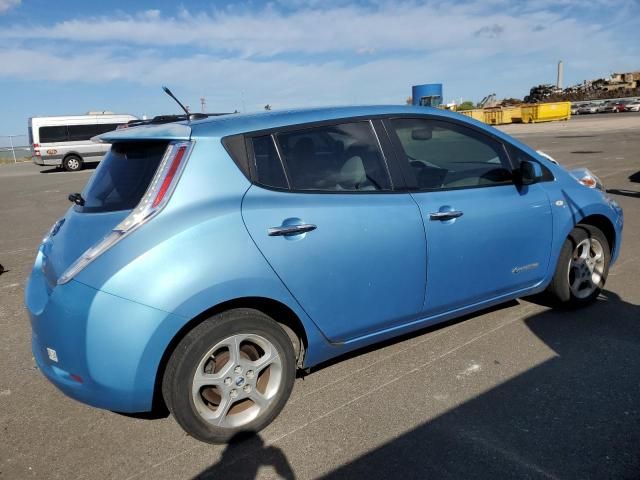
column 166, row 131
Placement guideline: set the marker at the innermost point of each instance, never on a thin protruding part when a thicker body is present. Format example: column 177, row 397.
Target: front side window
column 442, row 155
column 344, row 157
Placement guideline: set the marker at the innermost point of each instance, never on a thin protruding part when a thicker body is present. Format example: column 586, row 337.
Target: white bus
column 65, row 141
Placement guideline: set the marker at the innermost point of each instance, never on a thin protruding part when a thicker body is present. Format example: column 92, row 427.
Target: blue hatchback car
column 206, row 261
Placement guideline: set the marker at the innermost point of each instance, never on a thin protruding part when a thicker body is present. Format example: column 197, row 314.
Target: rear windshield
column 122, row 176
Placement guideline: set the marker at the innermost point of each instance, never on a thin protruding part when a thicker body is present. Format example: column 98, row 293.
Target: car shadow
column 243, row 457
column 576, row 415
column 404, row 337
column 86, row 166
column 635, row 177
column 625, row 193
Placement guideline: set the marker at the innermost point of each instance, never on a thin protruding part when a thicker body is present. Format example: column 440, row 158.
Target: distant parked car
column 618, row 107
column 206, row 261
column 632, row 107
column 588, row 108
column 606, row 107
column 574, row 109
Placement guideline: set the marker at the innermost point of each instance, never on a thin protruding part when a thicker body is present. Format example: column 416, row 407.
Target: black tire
column 188, row 355
column 72, row 163
column 559, row 288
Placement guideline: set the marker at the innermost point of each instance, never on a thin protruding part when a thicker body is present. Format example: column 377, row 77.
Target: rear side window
column 81, row 132
column 74, row 133
column 85, row 132
column 53, row 134
column 101, row 128
column 344, row 157
column 267, row 163
column 123, row 176
column 442, row 155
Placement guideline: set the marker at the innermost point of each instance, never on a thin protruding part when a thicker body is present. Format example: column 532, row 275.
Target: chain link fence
column 14, row 149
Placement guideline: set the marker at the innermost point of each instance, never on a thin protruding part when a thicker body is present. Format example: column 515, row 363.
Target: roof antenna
column 168, row 92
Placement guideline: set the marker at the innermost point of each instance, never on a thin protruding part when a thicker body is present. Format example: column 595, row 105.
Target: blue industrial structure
column 427, row 95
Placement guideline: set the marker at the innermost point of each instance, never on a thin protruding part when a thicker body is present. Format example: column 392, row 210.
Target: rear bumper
column 42, row 161
column 107, row 349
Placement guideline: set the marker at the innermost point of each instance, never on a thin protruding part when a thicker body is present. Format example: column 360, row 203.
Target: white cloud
column 7, row 4
column 337, row 54
column 389, row 27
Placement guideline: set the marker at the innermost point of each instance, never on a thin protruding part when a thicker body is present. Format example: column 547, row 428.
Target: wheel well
column 276, row 310
column 604, row 224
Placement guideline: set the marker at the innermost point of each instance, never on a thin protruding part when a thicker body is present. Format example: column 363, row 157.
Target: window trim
column 410, row 180
column 285, row 169
column 546, row 170
column 382, row 128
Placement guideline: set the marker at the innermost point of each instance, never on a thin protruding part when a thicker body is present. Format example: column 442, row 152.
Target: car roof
column 234, row 124
column 251, row 122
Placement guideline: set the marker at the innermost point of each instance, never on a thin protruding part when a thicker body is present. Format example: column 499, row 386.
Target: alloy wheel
column 586, row 267
column 237, row 380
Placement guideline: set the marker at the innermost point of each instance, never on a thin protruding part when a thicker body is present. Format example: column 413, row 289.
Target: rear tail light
column 171, row 173
column 155, row 198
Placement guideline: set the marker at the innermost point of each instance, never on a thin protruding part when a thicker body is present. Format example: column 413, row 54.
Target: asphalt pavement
column 519, row 391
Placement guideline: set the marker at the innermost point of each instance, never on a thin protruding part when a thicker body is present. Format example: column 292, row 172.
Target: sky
column 72, row 56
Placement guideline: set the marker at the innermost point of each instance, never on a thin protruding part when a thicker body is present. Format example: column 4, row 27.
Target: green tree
column 466, row 105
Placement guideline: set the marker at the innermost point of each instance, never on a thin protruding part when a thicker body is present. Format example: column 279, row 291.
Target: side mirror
column 530, row 172
column 425, row 133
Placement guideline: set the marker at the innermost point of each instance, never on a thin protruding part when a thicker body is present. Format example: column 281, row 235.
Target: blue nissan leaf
column 206, row 261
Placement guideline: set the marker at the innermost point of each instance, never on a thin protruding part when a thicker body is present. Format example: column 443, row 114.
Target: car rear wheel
column 582, row 268
column 231, row 374
column 72, row 163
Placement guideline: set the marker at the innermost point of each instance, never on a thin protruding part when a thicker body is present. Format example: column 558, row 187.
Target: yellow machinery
column 500, row 116
column 546, row 112
column 477, row 114
column 539, row 112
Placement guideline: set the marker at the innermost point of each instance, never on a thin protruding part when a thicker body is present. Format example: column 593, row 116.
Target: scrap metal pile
column 617, row 85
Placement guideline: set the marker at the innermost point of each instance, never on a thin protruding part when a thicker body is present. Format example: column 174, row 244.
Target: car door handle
column 445, row 215
column 291, row 230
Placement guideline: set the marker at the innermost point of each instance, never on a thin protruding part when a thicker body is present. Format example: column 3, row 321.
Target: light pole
column 13, row 151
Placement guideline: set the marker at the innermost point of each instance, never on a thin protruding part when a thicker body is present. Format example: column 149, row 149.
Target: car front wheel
column 231, row 374
column 582, row 267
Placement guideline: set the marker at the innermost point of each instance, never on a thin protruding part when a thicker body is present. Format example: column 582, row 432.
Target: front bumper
column 618, row 226
column 107, row 349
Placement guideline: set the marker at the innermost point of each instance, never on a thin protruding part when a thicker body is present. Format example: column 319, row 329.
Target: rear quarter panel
column 195, row 254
